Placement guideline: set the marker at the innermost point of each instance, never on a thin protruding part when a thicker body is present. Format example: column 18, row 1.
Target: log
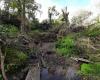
column 33, row 74
column 81, row 59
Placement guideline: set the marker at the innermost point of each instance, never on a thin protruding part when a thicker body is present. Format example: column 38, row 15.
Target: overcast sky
column 73, row 6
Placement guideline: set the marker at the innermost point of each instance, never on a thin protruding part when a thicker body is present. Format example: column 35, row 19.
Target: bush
column 8, row 30
column 65, row 46
column 34, row 24
column 15, row 56
column 21, row 57
column 93, row 31
column 90, row 69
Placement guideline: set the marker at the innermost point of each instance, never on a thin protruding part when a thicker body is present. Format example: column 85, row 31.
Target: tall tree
column 25, row 9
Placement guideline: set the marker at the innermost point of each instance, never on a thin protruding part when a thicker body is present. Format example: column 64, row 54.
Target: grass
column 90, row 69
column 65, row 46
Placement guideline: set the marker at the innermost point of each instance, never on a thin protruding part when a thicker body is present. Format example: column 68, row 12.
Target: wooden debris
column 81, row 59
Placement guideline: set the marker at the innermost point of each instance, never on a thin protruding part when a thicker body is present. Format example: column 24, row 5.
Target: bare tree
column 52, row 12
column 65, row 15
column 80, row 18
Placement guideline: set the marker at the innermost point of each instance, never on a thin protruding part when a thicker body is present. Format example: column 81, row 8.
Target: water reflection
column 46, row 75
column 71, row 74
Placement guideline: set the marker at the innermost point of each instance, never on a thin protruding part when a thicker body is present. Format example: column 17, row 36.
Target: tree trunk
column 2, row 65
column 65, row 16
column 50, row 18
column 23, row 18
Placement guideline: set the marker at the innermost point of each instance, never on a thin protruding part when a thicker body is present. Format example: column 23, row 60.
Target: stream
column 70, row 75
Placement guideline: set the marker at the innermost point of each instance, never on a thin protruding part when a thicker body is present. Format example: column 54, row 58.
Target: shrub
column 65, row 46
column 15, row 56
column 8, row 30
column 21, row 57
column 92, row 31
column 34, row 24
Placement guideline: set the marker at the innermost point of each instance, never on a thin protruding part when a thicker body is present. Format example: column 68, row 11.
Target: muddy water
column 45, row 75
column 70, row 75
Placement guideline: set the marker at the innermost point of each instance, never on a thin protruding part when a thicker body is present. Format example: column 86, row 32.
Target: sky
column 73, row 6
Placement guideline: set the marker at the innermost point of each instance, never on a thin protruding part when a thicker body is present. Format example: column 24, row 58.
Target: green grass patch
column 65, row 46
column 90, row 69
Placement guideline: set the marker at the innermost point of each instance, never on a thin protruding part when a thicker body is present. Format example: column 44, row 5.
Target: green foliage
column 35, row 24
column 21, row 56
column 93, row 31
column 14, row 68
column 13, row 4
column 15, row 56
column 35, row 33
column 56, row 22
column 8, row 30
column 65, row 46
column 90, row 69
column 1, row 78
